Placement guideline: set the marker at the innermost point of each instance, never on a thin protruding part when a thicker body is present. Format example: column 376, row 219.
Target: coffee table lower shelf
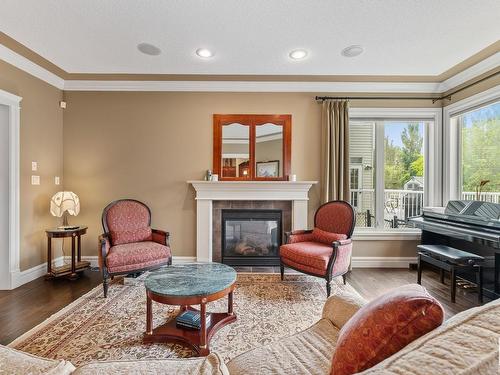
column 170, row 332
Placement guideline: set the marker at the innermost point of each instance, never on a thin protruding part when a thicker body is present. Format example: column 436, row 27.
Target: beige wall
column 147, row 145
column 41, row 141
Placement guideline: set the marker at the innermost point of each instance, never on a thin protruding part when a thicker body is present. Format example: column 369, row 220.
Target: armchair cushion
column 383, row 327
column 325, row 237
column 128, row 221
column 132, row 235
column 300, row 236
column 311, row 254
column 136, row 256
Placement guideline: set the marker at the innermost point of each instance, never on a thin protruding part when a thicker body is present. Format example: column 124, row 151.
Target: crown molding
column 38, row 71
column 468, row 74
column 248, row 86
column 30, row 67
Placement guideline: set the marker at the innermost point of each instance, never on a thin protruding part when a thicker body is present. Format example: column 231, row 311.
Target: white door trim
column 13, row 102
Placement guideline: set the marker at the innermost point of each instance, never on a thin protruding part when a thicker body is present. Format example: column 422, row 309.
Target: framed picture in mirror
column 268, row 168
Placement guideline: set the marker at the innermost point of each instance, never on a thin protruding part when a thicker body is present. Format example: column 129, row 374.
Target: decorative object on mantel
column 64, row 203
column 208, row 175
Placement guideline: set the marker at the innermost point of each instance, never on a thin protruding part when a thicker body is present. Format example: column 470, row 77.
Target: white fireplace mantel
column 209, row 191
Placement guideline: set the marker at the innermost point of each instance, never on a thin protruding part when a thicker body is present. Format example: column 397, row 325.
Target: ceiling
column 400, row 37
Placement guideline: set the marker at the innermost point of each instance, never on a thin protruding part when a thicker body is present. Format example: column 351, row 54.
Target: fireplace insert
column 251, row 237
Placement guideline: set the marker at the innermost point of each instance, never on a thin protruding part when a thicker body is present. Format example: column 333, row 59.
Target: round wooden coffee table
column 186, row 285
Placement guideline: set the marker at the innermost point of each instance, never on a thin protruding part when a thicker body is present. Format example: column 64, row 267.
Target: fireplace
column 251, row 237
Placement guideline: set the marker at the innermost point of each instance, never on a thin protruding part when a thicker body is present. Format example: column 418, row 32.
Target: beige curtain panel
column 335, row 150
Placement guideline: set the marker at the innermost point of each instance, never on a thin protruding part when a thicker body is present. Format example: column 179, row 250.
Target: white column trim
column 13, row 102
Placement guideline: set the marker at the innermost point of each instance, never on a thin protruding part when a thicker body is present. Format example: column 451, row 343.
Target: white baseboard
column 382, row 262
column 182, row 259
column 23, row 277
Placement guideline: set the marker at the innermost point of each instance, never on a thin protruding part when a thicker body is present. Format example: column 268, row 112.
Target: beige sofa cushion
column 466, row 344
column 14, row 362
column 210, row 365
column 307, row 352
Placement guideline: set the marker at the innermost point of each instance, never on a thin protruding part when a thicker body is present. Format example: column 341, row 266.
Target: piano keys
column 471, row 226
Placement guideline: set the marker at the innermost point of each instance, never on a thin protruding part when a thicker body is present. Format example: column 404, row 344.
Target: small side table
column 77, row 265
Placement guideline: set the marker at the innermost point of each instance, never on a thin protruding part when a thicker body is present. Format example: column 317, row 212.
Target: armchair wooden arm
column 161, row 237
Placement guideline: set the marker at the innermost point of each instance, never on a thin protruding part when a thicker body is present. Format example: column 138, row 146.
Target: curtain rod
column 434, row 100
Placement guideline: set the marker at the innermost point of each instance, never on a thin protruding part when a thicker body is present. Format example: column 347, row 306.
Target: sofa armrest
column 340, row 307
column 161, row 237
column 104, row 246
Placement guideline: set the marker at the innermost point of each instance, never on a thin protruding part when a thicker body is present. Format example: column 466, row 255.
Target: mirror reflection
column 236, row 150
column 269, row 150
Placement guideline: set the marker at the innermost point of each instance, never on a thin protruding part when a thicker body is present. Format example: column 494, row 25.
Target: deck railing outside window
column 399, row 205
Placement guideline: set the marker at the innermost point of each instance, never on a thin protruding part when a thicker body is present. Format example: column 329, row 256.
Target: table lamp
column 64, row 203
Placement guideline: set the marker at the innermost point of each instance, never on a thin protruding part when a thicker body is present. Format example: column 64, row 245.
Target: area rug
column 93, row 328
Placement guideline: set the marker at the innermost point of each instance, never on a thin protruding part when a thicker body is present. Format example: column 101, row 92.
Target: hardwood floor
column 25, row 307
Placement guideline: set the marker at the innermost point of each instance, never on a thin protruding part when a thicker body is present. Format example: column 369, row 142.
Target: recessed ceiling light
column 148, row 49
column 204, row 52
column 298, row 54
column 352, row 51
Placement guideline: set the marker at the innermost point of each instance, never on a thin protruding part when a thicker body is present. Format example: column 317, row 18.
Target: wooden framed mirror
column 252, row 147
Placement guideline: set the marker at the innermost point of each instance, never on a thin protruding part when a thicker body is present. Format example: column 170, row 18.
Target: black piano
column 472, row 226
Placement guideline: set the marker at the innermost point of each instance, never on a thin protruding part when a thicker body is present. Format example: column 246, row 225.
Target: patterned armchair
column 326, row 250
column 128, row 244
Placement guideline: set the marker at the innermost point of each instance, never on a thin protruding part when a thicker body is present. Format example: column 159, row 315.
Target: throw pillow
column 383, row 327
column 322, row 236
column 129, row 236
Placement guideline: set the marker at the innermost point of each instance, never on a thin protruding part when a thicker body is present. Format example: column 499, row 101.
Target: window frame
column 359, row 168
column 432, row 159
column 452, row 184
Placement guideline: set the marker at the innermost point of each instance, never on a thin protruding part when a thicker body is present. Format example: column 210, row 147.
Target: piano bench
column 449, row 259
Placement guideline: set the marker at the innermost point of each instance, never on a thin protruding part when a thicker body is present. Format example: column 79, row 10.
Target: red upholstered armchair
column 128, row 244
column 326, row 250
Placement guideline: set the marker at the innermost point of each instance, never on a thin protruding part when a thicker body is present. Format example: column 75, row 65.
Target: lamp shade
column 65, row 201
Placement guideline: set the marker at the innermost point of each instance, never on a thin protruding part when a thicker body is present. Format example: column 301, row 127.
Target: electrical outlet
column 35, row 180
column 34, row 166
column 57, row 180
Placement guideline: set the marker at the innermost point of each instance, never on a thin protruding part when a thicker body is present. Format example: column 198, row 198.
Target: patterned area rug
column 93, row 328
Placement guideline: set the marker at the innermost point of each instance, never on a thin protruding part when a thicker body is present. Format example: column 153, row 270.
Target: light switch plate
column 34, row 166
column 35, row 180
column 57, row 180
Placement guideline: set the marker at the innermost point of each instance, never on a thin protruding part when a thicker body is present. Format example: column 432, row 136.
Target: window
column 362, row 176
column 479, row 153
column 355, row 184
column 391, row 184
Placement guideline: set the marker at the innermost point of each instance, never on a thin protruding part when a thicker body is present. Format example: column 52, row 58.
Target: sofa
column 468, row 343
